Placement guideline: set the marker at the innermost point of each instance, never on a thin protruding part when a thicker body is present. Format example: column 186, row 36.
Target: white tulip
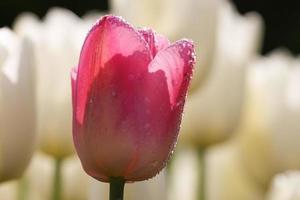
column 184, row 171
column 139, row 12
column 8, row 190
column 198, row 20
column 17, row 101
column 285, row 186
column 213, row 110
column 227, row 178
column 270, row 128
column 193, row 19
column 76, row 184
column 153, row 189
column 57, row 42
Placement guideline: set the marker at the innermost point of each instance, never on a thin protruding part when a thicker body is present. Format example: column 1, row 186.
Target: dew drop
column 147, row 126
column 154, row 164
column 147, row 100
column 130, row 77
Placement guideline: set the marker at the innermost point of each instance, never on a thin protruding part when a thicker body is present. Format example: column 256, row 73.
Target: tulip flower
column 8, row 190
column 17, row 113
column 213, row 111
column 197, row 20
column 57, row 41
column 76, row 185
column 51, row 39
column 269, row 143
column 285, row 186
column 184, row 172
column 227, row 178
column 128, row 97
column 154, row 189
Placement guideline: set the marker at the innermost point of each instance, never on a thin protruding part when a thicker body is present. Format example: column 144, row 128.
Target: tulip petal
column 176, row 62
column 73, row 83
column 119, row 39
column 155, row 41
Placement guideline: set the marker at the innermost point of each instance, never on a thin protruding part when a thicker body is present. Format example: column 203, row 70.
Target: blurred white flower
column 285, row 186
column 270, row 128
column 193, row 19
column 8, row 190
column 17, row 104
column 184, row 171
column 76, row 184
column 227, row 178
column 139, row 12
column 153, row 189
column 57, row 42
column 212, row 111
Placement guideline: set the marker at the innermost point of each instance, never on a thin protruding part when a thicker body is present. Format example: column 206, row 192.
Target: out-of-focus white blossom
column 193, row 19
column 285, row 186
column 76, row 184
column 212, row 111
column 17, row 104
column 270, row 128
column 183, row 175
column 226, row 177
column 57, row 41
column 153, row 189
column 8, row 190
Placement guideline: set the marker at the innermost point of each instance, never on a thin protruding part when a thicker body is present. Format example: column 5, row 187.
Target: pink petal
column 155, row 41
column 176, row 62
column 109, row 38
column 161, row 42
column 73, row 84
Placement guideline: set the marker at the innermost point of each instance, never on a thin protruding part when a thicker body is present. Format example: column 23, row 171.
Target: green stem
column 23, row 189
column 56, row 194
column 201, row 181
column 116, row 189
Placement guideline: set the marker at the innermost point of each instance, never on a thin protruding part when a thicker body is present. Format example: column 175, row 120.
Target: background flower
column 285, row 186
column 213, row 110
column 57, row 41
column 269, row 127
column 17, row 100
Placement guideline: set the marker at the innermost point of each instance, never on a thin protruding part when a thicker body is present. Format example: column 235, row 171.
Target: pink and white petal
column 149, row 37
column 161, row 42
column 176, row 62
column 155, row 41
column 110, row 37
column 73, row 84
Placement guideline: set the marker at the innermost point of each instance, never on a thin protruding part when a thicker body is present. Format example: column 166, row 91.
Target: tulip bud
column 76, row 185
column 17, row 113
column 213, row 111
column 197, row 20
column 285, row 186
column 269, row 139
column 8, row 190
column 227, row 179
column 60, row 33
column 128, row 96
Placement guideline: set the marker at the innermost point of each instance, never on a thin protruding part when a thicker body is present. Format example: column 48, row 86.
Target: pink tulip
column 128, row 96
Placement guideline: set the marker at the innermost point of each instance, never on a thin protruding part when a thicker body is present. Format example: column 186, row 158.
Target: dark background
column 282, row 17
